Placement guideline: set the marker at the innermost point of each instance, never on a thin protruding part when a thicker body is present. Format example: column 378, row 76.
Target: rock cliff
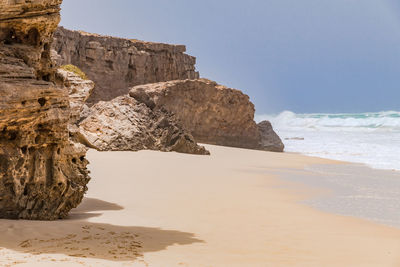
column 213, row 113
column 43, row 173
column 116, row 64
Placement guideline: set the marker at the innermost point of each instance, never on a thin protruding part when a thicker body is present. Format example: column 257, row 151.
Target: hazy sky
column 303, row 56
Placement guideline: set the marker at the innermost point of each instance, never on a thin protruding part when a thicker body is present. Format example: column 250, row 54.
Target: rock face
column 125, row 124
column 43, row 174
column 79, row 90
column 116, row 64
column 270, row 141
column 213, row 113
column 122, row 123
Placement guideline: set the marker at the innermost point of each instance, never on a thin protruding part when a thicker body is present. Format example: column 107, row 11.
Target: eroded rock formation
column 116, row 64
column 125, row 124
column 122, row 124
column 43, row 174
column 270, row 141
column 213, row 113
column 79, row 90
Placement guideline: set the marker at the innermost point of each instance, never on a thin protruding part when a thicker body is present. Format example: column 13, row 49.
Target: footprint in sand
column 25, row 244
column 90, row 243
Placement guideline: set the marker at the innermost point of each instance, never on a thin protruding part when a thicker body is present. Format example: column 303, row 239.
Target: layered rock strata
column 126, row 124
column 213, row 113
column 116, row 64
column 43, row 174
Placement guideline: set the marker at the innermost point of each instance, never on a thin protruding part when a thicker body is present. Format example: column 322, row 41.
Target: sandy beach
column 199, row 134
column 229, row 209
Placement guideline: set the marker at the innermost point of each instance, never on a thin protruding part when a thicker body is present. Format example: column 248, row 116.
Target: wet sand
column 233, row 208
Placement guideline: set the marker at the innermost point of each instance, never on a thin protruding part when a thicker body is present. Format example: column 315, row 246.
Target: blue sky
column 303, row 56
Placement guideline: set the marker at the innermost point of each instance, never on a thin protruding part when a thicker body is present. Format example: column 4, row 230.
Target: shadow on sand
column 90, row 208
column 78, row 238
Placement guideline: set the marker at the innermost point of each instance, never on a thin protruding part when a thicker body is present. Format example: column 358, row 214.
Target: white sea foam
column 370, row 138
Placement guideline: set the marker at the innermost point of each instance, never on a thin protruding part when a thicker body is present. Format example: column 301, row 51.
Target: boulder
column 124, row 124
column 212, row 113
column 43, row 174
column 269, row 139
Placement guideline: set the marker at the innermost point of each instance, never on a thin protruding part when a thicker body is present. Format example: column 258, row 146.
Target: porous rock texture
column 125, row 124
column 43, row 173
column 212, row 113
column 116, row 64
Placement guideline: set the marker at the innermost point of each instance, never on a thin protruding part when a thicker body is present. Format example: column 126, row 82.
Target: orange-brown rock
column 43, row 174
column 213, row 113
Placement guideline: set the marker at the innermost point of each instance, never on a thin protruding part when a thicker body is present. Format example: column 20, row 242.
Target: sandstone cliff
column 42, row 173
column 116, row 64
column 213, row 113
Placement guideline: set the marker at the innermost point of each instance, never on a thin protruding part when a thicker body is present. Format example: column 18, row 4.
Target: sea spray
column 369, row 138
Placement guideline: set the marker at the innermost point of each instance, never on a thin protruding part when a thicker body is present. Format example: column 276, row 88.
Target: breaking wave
column 371, row 138
column 387, row 120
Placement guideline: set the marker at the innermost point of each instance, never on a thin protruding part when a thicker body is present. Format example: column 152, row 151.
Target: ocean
column 369, row 138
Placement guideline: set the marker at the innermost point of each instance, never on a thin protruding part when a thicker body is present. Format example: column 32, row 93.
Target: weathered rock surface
column 213, row 113
column 122, row 123
column 79, row 90
column 125, row 124
column 116, row 64
column 43, row 174
column 270, row 141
